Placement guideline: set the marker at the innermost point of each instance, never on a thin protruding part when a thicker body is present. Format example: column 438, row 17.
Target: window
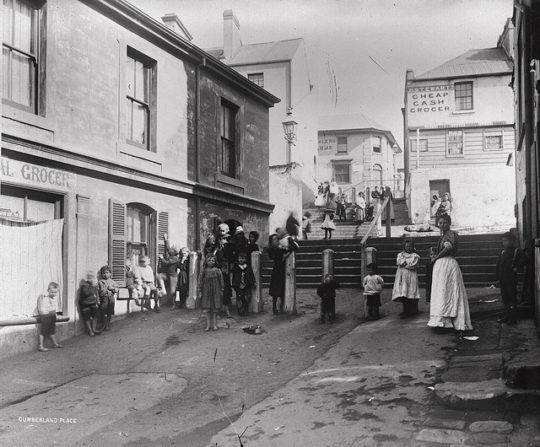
column 463, row 95
column 20, row 53
column 342, row 145
column 228, row 139
column 257, row 78
column 342, row 172
column 141, row 98
column 135, row 230
column 423, row 144
column 493, row 140
column 454, row 145
column 27, row 205
column 377, row 142
column 377, row 175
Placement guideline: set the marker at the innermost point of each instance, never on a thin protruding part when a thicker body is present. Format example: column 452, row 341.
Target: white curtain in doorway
column 31, row 258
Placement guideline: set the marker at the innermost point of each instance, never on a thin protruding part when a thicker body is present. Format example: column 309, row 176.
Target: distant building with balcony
column 459, row 138
column 358, row 153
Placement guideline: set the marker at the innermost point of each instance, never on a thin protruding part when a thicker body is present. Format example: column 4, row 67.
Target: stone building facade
column 121, row 127
column 358, row 153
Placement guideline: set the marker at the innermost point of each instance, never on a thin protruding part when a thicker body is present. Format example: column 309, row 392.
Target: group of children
column 97, row 300
column 511, row 261
column 227, row 267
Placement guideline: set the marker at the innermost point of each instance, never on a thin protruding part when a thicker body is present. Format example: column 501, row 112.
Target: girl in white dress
column 406, row 281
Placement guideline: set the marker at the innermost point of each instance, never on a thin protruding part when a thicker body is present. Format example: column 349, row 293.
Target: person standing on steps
column 328, row 226
column 360, row 208
column 445, row 208
column 449, row 306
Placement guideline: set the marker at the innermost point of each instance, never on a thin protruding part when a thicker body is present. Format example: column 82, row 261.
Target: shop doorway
column 33, row 241
column 436, row 190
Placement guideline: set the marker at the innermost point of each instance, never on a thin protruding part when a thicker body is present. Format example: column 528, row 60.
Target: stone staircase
column 477, row 257
column 347, row 259
column 401, row 213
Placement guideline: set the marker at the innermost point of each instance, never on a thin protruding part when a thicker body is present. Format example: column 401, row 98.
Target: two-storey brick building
column 115, row 130
column 459, row 138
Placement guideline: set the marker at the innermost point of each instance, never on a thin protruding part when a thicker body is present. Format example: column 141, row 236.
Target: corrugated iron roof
column 281, row 50
column 472, row 63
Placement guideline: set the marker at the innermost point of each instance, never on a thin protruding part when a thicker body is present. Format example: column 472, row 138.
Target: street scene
column 295, row 224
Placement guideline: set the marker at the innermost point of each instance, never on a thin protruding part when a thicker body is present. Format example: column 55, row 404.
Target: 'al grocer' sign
column 28, row 174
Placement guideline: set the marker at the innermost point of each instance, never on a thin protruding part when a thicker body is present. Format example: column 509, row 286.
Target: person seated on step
column 145, row 277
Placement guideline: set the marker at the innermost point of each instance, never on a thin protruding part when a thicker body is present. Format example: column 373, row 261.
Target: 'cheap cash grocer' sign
column 28, row 174
column 429, row 99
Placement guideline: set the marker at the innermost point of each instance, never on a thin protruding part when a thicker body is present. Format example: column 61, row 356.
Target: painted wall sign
column 28, row 174
column 327, row 144
column 429, row 99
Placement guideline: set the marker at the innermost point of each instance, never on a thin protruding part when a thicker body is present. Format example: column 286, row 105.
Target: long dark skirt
column 277, row 280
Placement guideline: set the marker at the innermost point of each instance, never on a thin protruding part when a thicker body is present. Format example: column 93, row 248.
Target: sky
column 367, row 44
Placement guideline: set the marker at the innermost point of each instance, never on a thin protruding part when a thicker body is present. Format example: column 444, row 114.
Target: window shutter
column 117, row 241
column 163, row 227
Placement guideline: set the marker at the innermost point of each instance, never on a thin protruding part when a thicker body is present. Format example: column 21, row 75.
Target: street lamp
column 289, row 129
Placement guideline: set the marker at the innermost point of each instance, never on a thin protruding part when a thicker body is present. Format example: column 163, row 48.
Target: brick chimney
column 231, row 34
column 172, row 22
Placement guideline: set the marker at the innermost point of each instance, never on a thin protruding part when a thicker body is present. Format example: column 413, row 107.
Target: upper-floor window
column 257, row 78
column 228, row 138
column 20, row 53
column 463, row 95
column 454, row 143
column 423, row 144
column 377, row 143
column 141, row 99
column 342, row 145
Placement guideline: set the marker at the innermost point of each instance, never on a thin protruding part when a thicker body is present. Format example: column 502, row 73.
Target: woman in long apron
column 449, row 307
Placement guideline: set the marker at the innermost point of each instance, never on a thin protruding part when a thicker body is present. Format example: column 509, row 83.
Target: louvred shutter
column 163, row 227
column 117, row 241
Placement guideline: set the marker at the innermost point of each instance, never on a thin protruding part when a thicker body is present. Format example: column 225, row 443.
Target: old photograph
column 288, row 223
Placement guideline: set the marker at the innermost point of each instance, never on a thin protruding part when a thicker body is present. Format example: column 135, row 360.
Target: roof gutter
column 475, row 75
column 140, row 22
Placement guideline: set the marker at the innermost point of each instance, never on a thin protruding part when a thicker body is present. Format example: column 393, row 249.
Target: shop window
column 454, row 143
column 463, row 92
column 342, row 172
column 135, row 230
column 342, row 145
column 228, row 139
column 257, row 78
column 21, row 42
column 377, row 144
column 28, row 205
column 140, row 100
column 423, row 144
